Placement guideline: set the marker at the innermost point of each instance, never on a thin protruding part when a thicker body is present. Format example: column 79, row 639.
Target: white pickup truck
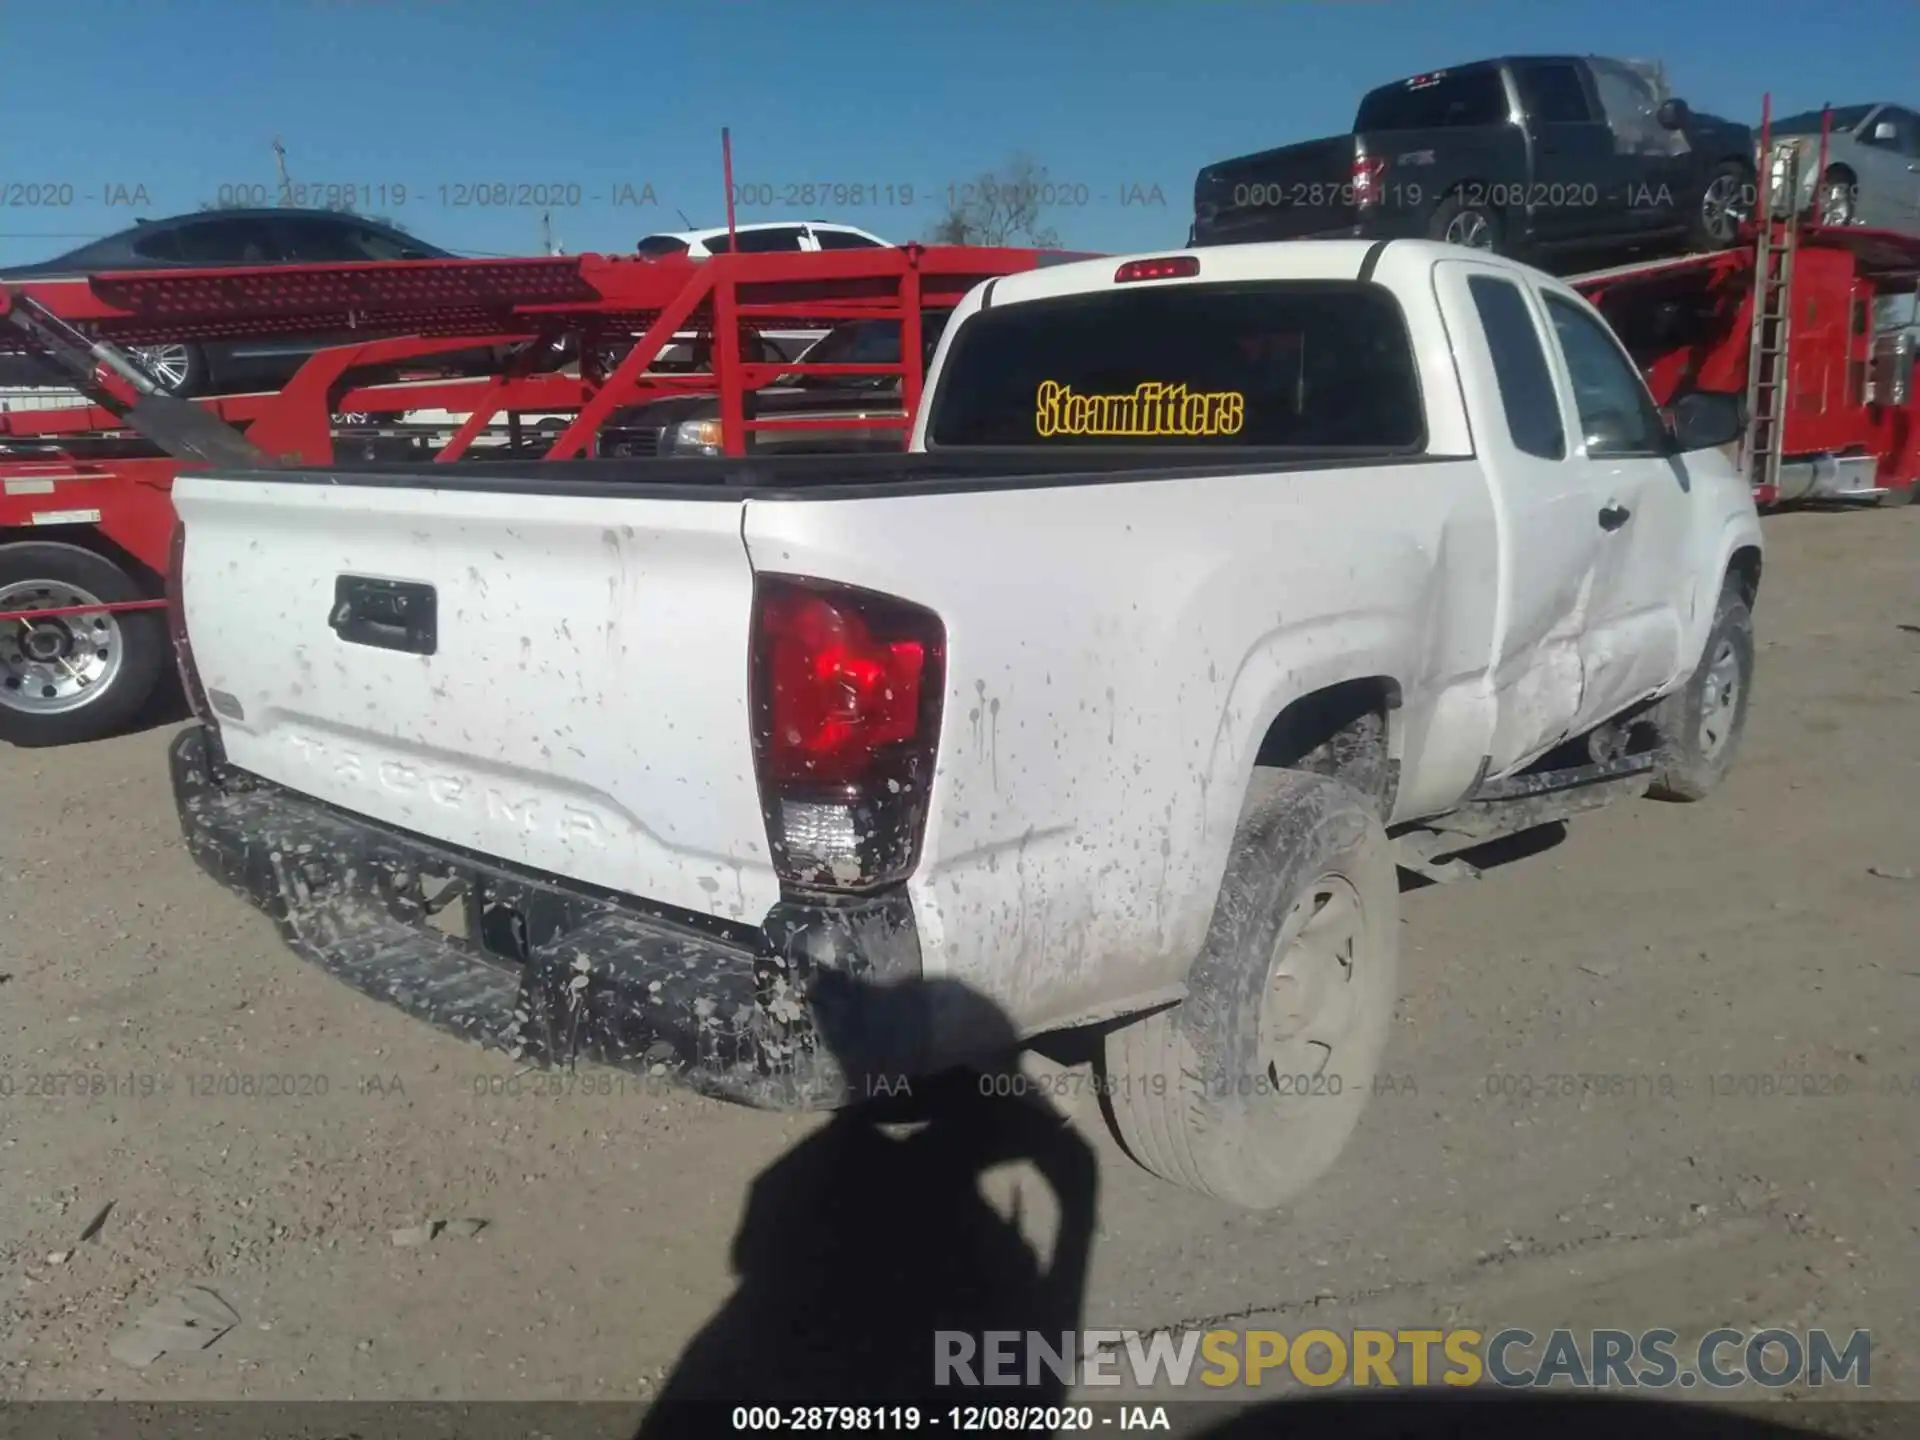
column 1209, row 571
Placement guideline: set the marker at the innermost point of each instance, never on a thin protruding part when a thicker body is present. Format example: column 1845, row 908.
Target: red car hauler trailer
column 85, row 518
column 1789, row 323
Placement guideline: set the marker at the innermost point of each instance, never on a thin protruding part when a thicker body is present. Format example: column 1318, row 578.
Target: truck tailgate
column 1296, row 190
column 583, row 710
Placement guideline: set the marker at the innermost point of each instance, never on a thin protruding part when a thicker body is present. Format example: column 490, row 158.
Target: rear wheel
column 1724, row 206
column 1701, row 724
column 177, row 369
column 1248, row 1089
column 1459, row 221
column 68, row 678
column 1894, row 499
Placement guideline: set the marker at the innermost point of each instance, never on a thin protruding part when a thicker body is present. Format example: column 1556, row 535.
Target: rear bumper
column 740, row 1014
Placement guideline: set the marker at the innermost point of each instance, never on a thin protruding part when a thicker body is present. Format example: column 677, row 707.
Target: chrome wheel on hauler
column 68, row 677
column 177, row 369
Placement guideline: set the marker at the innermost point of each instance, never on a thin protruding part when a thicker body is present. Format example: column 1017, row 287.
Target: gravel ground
column 1711, row 957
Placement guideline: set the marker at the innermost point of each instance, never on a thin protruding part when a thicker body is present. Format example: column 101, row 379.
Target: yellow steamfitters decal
column 1154, row 408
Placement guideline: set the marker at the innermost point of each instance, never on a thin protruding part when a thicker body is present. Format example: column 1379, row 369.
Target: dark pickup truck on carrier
column 1530, row 156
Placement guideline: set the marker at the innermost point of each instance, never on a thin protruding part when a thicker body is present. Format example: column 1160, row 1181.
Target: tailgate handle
column 386, row 614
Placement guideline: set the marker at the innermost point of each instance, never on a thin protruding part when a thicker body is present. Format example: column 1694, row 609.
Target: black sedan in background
column 214, row 238
column 690, row 424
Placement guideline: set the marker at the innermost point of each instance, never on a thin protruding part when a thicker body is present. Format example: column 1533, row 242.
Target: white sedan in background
column 767, row 237
column 763, row 238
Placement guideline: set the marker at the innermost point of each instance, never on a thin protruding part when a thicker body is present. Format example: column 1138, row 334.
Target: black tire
column 1723, row 205
column 1700, row 725
column 41, row 575
column 177, row 369
column 1457, row 213
column 1196, row 1093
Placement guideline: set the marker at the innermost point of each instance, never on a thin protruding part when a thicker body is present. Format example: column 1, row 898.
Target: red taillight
column 177, row 625
column 1171, row 267
column 1367, row 175
column 838, row 694
column 847, row 687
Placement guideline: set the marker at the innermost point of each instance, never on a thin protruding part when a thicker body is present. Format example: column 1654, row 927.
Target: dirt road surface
column 1740, row 985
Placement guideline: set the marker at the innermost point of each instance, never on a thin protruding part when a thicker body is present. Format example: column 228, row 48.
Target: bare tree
column 999, row 209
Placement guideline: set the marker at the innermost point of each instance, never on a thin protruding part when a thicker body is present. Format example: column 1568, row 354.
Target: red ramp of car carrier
column 1789, row 323
column 69, row 482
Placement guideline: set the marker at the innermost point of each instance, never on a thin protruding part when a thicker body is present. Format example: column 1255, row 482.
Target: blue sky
column 451, row 102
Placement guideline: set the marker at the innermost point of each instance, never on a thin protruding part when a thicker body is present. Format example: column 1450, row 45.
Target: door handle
column 1612, row 517
column 385, row 614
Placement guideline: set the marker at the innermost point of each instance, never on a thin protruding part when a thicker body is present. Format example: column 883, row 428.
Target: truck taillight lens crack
column 846, row 688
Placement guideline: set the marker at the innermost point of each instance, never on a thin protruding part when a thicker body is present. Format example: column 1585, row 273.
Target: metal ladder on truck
column 1767, row 368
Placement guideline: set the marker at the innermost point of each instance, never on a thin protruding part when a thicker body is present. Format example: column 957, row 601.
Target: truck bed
column 1288, row 192
column 825, row 477
column 575, row 701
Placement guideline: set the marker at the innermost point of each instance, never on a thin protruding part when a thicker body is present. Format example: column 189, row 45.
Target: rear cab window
column 1436, row 101
column 1307, row 364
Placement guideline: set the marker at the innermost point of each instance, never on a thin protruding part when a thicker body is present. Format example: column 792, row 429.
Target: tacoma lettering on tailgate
column 525, row 814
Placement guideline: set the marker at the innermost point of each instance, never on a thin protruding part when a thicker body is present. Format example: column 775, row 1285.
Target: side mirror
column 1893, row 362
column 1673, row 114
column 1885, row 132
column 1706, row 420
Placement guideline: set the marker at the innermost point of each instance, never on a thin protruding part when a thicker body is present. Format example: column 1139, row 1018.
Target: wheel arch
column 93, row 540
column 1743, row 571
column 1736, row 559
column 1460, row 190
column 1346, row 729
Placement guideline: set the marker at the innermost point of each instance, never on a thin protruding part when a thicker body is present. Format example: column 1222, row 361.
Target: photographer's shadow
column 868, row 1238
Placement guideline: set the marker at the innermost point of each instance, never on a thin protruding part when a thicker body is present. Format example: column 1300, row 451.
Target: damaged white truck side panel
column 1105, row 698
column 1117, row 645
